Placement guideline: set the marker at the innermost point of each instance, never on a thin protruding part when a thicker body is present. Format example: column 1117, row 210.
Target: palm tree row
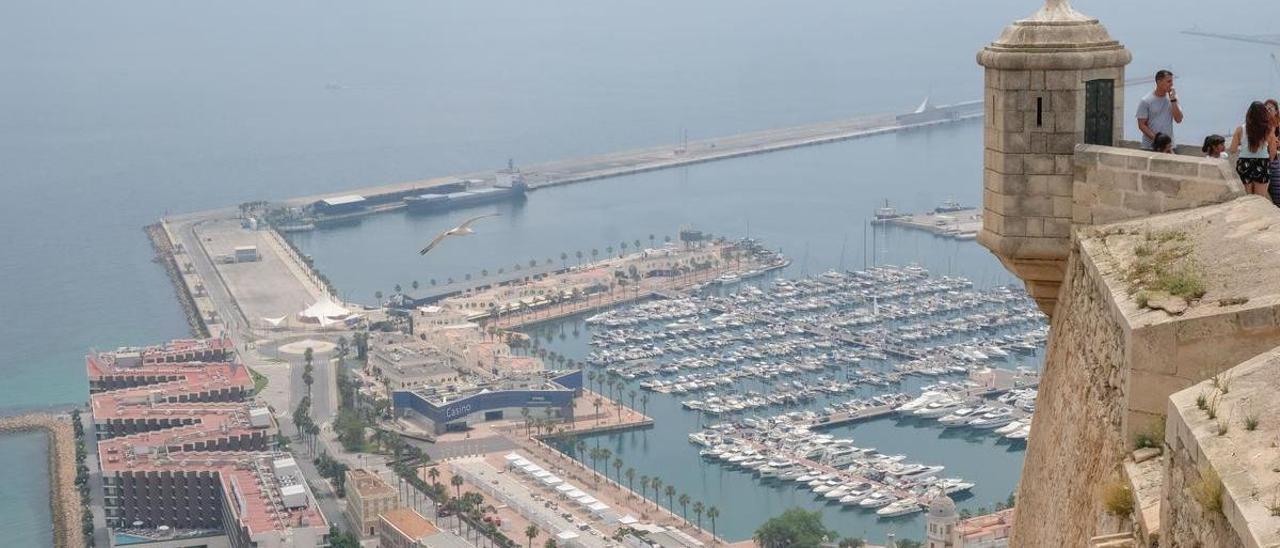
column 600, row 454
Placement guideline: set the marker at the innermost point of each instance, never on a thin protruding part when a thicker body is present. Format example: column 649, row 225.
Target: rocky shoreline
column 64, row 499
column 163, row 245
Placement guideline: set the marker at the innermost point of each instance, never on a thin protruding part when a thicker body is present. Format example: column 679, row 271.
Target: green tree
column 684, row 506
column 698, row 509
column 712, row 514
column 631, row 479
column 908, row 543
column 456, row 482
column 671, row 494
column 414, row 285
column 617, row 470
column 852, row 542
column 531, row 532
column 657, row 491
column 795, row 528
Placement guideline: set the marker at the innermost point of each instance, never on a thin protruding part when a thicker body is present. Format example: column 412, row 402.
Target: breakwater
column 163, row 245
column 64, row 499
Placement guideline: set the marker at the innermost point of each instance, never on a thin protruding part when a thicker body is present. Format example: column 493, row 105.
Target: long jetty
column 642, row 160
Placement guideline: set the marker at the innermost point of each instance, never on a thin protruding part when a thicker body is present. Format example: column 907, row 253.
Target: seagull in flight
column 460, row 230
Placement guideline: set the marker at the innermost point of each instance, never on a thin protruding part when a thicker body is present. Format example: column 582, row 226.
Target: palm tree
column 456, row 482
column 631, row 479
column 644, row 487
column 581, row 448
column 636, row 243
column 551, row 543
column 671, row 493
column 398, row 289
column 698, row 508
column 532, row 532
column 605, row 455
column 595, row 460
column 624, row 249
column 657, row 491
column 684, row 507
column 597, row 403
column 414, row 285
column 434, row 474
column 712, row 514
column 578, row 254
column 377, row 296
column 617, row 470
column 651, row 240
column 563, row 258
column 608, row 250
column 594, row 253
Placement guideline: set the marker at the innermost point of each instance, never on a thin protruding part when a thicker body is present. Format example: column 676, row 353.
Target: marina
column 772, row 378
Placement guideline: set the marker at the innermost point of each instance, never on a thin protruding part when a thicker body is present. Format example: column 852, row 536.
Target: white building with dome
column 945, row 529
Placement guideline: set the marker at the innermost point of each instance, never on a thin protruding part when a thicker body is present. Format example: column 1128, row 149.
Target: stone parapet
column 1115, row 184
column 1221, row 489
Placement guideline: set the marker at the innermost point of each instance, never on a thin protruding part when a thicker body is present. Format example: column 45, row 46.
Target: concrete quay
column 963, row 224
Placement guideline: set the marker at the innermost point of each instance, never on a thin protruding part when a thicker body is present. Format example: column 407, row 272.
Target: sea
column 115, row 114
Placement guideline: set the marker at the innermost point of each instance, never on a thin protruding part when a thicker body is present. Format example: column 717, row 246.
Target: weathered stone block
column 1137, row 162
column 1149, row 348
column 1039, row 164
column 1173, row 166
column 1063, row 164
column 1062, row 143
column 1125, row 180
column 1061, row 80
column 1161, row 183
column 1141, row 201
column 1148, row 391
column 1003, row 163
column 1062, row 206
column 1057, row 228
column 1036, row 80
column 1061, row 185
column 1035, row 227
column 1114, row 158
column 1014, row 79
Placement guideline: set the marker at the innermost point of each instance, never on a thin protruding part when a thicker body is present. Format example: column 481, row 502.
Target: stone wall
column 1244, row 461
column 1116, row 184
column 1075, row 439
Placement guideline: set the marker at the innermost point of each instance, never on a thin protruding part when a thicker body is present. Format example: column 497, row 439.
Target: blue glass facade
column 470, row 407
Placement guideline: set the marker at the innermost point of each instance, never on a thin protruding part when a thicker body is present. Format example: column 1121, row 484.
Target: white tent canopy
column 325, row 308
column 574, row 494
column 512, row 457
column 586, row 500
column 567, row 535
column 541, row 474
column 598, row 507
column 565, row 488
column 551, row 480
column 520, row 463
column 628, row 519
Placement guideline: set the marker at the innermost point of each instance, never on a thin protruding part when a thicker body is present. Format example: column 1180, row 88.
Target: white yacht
column 899, row 508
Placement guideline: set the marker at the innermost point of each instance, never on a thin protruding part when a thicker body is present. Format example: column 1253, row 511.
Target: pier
column 961, row 224
column 862, row 415
column 642, row 160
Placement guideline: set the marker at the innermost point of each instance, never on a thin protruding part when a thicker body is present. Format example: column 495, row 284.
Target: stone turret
column 1053, row 80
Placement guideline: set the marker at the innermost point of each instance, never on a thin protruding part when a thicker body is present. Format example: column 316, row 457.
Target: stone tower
column 1053, row 80
column 940, row 525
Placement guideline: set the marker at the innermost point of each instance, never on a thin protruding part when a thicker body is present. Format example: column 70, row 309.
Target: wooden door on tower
column 1099, row 112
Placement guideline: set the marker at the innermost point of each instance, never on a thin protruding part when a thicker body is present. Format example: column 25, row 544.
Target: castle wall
column 1076, row 436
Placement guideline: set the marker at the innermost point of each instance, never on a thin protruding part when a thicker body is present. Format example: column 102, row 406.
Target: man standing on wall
column 1159, row 110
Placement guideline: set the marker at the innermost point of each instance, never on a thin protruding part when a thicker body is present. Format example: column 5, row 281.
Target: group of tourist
column 1255, row 143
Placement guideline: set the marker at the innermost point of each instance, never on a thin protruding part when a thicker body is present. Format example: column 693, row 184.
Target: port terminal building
column 455, row 408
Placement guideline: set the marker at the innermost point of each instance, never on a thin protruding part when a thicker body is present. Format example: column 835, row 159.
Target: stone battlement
column 1157, row 271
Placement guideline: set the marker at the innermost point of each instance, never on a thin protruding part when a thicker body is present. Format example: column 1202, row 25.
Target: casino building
column 545, row 393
